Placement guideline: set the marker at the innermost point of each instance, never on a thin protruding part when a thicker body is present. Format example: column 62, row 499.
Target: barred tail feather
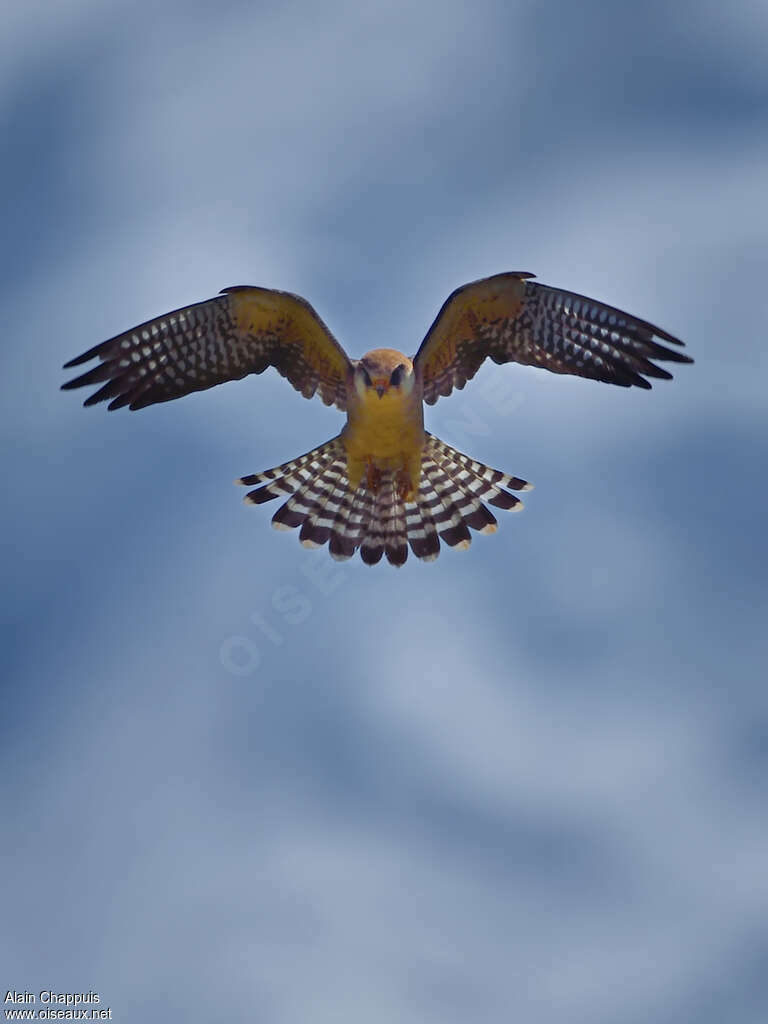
column 474, row 476
column 448, row 518
column 285, row 479
column 449, row 504
column 395, row 532
column 349, row 524
column 420, row 526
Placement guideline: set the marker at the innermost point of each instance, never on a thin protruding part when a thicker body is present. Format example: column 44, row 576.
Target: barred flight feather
column 241, row 331
column 449, row 504
column 510, row 319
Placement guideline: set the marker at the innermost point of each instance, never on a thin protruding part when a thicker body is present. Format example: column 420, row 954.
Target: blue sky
column 526, row 782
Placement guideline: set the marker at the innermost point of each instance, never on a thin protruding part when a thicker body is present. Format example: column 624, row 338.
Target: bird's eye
column 367, row 377
column 397, row 375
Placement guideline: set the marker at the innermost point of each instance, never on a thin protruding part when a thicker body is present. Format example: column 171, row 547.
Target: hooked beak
column 381, row 387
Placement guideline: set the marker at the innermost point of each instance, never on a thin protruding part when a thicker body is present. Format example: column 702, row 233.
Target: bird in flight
column 384, row 483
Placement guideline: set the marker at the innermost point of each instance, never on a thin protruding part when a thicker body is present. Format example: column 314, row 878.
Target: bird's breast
column 384, row 427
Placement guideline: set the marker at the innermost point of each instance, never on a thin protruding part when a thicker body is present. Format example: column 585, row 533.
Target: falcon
column 384, row 483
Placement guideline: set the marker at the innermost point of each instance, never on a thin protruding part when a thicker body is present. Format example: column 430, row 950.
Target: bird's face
column 383, row 373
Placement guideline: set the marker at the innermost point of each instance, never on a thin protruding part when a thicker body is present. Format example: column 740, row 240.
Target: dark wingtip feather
column 96, row 375
column 659, row 332
column 668, row 355
column 99, row 396
column 90, row 354
column 120, row 403
column 657, row 372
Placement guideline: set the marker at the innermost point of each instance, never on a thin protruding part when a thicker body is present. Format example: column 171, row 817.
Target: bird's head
column 384, row 371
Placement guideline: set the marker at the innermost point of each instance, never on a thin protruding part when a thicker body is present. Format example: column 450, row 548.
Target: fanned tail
column 450, row 502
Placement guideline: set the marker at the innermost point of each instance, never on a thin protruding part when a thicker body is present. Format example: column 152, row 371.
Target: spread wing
column 243, row 330
column 511, row 319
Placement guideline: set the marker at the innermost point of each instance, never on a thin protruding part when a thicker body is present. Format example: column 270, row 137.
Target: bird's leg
column 404, row 486
column 372, row 475
column 408, row 477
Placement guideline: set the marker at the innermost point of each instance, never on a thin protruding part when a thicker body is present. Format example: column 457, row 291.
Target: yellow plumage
column 385, row 424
